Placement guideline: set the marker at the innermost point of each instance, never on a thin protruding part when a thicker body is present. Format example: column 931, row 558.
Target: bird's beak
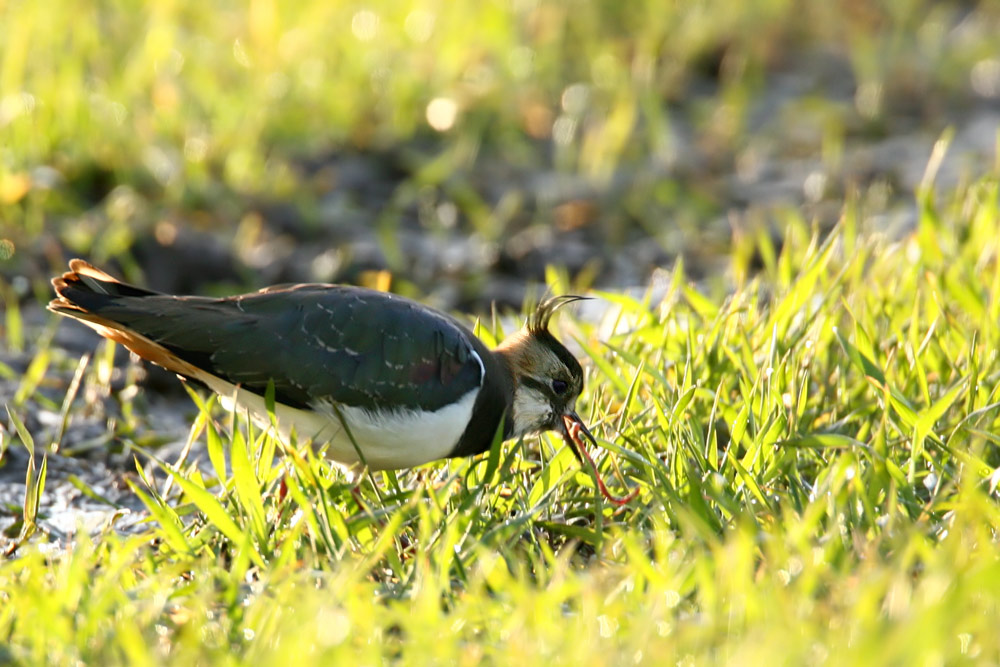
column 573, row 427
column 574, row 432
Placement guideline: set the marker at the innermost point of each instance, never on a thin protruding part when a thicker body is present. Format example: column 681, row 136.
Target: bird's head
column 547, row 377
column 547, row 381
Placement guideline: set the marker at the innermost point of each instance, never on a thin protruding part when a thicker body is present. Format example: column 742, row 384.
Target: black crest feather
column 538, row 321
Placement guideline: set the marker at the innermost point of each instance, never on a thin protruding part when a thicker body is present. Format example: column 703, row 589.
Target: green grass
column 119, row 115
column 817, row 460
column 813, row 427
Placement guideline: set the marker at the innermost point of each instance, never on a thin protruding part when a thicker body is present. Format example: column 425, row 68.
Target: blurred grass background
column 322, row 141
column 810, row 417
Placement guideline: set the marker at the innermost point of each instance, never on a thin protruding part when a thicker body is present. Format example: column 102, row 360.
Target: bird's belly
column 389, row 440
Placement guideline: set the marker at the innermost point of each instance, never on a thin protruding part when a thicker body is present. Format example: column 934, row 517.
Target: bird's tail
column 99, row 300
column 86, row 289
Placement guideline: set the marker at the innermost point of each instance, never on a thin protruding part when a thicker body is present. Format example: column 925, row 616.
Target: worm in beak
column 574, row 432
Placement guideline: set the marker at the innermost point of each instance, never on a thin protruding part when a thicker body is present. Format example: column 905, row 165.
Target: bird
column 384, row 382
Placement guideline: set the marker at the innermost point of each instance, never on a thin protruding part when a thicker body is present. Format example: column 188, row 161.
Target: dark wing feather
column 317, row 343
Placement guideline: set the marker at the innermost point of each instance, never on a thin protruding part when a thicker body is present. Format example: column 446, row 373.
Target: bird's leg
column 354, row 475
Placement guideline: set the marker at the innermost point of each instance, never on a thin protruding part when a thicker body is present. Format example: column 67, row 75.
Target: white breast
column 399, row 439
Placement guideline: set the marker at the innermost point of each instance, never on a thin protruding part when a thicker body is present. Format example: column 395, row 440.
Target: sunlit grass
column 816, row 460
column 812, row 429
column 116, row 116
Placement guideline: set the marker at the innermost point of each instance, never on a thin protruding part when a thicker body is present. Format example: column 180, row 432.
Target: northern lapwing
column 381, row 380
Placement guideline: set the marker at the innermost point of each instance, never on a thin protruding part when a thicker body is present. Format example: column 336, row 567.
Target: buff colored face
column 548, row 380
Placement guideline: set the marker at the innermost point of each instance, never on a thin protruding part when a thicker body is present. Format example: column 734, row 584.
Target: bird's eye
column 559, row 386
